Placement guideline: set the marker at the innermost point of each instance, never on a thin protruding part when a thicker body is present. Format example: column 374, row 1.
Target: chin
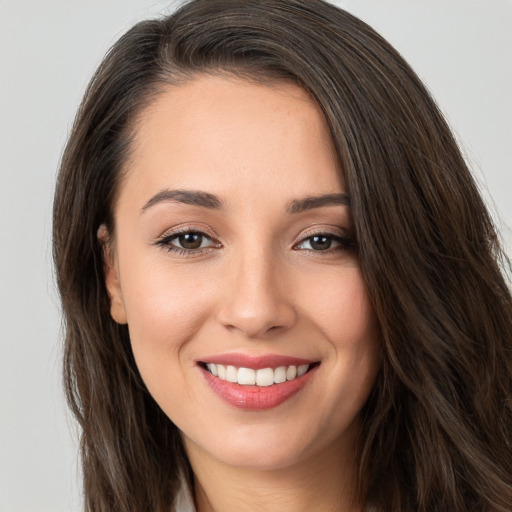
column 266, row 448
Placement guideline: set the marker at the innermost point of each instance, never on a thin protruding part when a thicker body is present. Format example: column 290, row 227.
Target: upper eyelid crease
column 211, row 201
column 179, row 232
column 165, row 240
column 334, row 233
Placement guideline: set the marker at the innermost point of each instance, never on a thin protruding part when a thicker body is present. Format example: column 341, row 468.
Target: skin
column 257, row 286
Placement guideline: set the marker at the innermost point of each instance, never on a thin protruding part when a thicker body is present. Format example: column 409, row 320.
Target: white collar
column 183, row 501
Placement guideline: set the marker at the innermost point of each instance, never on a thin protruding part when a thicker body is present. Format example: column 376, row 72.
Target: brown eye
column 320, row 243
column 190, row 240
column 325, row 242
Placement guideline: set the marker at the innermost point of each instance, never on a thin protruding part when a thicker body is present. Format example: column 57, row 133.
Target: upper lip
column 256, row 362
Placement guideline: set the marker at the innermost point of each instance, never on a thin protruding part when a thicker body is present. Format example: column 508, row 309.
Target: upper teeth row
column 262, row 377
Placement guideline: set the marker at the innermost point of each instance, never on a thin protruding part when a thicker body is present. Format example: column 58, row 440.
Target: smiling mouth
column 257, row 383
column 262, row 377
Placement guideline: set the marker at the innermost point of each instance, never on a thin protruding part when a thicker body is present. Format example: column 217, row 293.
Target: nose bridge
column 256, row 301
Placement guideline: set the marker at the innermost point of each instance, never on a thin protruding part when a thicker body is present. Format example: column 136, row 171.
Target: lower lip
column 257, row 398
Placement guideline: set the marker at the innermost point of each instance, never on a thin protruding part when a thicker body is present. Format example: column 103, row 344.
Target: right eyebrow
column 311, row 202
column 193, row 197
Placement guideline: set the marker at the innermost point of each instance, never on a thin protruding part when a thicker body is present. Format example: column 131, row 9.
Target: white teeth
column 221, row 372
column 302, row 369
column 291, row 372
column 231, row 374
column 280, row 375
column 246, row 376
column 212, row 369
column 263, row 377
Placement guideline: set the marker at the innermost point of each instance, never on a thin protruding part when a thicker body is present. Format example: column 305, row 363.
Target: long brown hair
column 437, row 426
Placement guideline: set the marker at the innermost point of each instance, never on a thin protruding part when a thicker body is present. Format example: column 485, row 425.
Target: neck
column 326, row 481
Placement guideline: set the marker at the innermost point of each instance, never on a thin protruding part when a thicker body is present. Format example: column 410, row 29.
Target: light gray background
column 48, row 50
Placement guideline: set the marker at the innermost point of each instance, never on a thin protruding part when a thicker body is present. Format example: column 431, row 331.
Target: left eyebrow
column 308, row 203
column 193, row 197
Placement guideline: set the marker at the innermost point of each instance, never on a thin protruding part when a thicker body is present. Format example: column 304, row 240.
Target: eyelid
column 188, row 228
column 322, row 230
column 344, row 239
column 166, row 238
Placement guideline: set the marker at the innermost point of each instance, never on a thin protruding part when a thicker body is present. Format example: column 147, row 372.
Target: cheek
column 348, row 323
column 165, row 312
column 165, row 309
column 343, row 311
column 355, row 334
column 162, row 299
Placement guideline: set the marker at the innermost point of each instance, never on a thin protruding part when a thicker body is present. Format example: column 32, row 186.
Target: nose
column 258, row 301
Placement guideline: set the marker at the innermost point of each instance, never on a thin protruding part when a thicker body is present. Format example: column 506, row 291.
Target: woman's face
column 234, row 260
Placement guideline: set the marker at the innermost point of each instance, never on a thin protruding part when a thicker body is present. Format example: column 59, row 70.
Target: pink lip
column 256, row 362
column 256, row 397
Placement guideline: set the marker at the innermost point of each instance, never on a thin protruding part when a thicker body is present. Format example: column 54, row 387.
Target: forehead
column 230, row 136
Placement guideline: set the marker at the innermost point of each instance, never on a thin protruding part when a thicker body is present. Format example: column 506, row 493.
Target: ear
column 111, row 271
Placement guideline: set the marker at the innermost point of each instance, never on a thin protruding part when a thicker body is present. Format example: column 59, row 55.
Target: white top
column 184, row 502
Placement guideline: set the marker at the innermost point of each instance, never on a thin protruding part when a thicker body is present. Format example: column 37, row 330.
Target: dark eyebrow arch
column 207, row 200
column 193, row 197
column 308, row 203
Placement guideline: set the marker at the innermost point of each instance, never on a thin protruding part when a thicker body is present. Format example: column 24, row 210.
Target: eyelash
column 165, row 242
column 345, row 242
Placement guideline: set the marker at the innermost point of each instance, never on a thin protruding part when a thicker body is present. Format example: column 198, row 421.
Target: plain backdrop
column 48, row 51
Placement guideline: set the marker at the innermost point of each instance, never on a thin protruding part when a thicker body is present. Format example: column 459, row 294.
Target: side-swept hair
column 437, row 426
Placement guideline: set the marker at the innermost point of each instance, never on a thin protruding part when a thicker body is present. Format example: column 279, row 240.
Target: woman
column 281, row 287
